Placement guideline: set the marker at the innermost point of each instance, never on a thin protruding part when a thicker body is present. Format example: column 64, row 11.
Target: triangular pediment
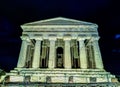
column 58, row 21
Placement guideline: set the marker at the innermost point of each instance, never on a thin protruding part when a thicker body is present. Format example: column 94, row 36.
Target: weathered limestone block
column 16, row 78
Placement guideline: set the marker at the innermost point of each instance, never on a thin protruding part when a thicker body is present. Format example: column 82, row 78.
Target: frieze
column 66, row 29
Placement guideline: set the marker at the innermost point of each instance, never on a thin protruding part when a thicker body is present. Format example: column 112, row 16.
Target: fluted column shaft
column 67, row 57
column 82, row 52
column 37, row 51
column 51, row 63
column 97, row 54
column 23, row 52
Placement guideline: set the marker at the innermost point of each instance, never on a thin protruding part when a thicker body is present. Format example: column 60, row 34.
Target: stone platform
column 60, row 75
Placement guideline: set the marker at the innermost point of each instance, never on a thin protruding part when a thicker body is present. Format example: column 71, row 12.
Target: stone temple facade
column 60, row 52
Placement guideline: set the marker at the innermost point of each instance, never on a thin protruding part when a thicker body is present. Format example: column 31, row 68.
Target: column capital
column 36, row 38
column 67, row 38
column 95, row 38
column 52, row 38
column 25, row 38
column 74, row 36
column 80, row 38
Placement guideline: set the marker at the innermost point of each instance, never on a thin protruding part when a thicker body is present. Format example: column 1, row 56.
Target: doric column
column 82, row 53
column 51, row 62
column 36, row 57
column 67, row 54
column 97, row 54
column 23, row 51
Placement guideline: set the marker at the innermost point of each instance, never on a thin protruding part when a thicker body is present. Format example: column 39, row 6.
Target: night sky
column 105, row 13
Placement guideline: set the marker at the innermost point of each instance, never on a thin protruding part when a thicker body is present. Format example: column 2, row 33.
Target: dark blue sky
column 105, row 13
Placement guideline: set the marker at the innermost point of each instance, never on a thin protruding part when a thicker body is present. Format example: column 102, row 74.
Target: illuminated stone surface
column 60, row 50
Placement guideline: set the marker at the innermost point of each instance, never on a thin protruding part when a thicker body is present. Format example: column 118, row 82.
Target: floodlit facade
column 60, row 52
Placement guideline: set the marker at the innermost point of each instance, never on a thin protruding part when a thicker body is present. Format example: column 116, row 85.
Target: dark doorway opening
column 59, row 57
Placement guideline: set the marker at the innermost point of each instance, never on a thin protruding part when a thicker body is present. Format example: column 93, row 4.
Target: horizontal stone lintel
column 60, row 84
column 59, row 35
column 57, row 27
column 57, row 32
column 57, row 71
